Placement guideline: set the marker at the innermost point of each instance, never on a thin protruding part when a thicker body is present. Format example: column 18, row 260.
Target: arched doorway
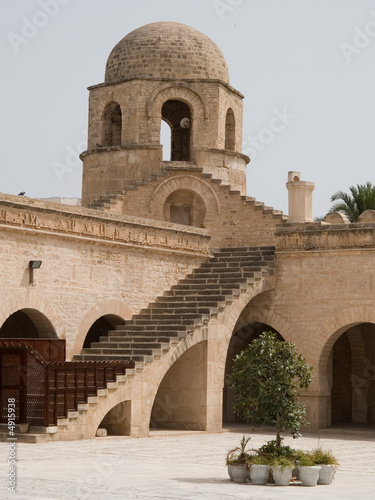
column 117, row 420
column 180, row 402
column 185, row 207
column 241, row 338
column 351, row 374
column 101, row 327
column 177, row 115
column 27, row 323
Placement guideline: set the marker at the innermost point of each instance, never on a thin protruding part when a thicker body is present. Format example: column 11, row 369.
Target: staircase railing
column 44, row 392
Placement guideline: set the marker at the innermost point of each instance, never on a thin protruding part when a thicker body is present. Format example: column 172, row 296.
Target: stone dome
column 166, row 50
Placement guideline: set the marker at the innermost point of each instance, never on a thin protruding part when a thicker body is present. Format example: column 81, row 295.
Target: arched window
column 178, row 116
column 230, row 131
column 112, row 125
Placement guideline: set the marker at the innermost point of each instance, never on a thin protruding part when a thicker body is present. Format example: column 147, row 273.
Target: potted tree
column 266, row 378
column 328, row 463
column 237, row 462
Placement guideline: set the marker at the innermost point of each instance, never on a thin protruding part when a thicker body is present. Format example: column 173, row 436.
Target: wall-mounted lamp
column 33, row 264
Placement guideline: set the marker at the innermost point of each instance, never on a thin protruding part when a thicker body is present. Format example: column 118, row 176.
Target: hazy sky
column 310, row 61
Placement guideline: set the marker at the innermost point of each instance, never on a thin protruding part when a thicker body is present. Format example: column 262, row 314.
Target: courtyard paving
column 174, row 466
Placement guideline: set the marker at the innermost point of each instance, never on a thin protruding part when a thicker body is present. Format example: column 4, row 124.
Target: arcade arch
column 27, row 323
column 101, row 327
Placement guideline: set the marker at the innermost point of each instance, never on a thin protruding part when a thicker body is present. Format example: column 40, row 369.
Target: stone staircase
column 107, row 203
column 188, row 305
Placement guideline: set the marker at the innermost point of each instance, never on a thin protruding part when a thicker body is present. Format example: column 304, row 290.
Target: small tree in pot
column 266, row 378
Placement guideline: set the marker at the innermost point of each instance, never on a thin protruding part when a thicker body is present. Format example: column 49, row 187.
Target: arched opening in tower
column 177, row 115
column 230, row 131
column 112, row 125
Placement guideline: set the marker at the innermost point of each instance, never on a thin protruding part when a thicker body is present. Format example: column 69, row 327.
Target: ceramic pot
column 259, row 473
column 240, row 473
column 282, row 475
column 230, row 472
column 309, row 474
column 326, row 474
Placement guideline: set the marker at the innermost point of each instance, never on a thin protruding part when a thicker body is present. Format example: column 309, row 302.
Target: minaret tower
column 163, row 71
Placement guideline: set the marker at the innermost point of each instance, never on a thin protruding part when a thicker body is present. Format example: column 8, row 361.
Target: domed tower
column 163, row 71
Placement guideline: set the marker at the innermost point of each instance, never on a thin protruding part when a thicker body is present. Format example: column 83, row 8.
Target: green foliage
column 266, row 378
column 272, row 448
column 258, row 460
column 239, row 455
column 306, row 460
column 361, row 198
column 323, row 457
column 282, row 462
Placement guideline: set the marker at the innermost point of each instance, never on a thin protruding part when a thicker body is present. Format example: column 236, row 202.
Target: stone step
column 212, row 287
column 112, row 357
column 151, row 321
column 182, row 298
column 30, row 438
column 200, row 293
column 152, row 333
column 220, row 259
column 227, row 280
column 123, row 344
column 141, row 339
column 117, row 351
column 224, row 264
column 223, row 252
column 228, row 270
column 154, row 314
column 152, row 327
column 147, row 333
column 177, row 306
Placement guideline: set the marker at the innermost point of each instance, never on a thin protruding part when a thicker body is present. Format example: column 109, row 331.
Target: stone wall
column 232, row 220
column 91, row 265
column 324, row 286
column 139, row 153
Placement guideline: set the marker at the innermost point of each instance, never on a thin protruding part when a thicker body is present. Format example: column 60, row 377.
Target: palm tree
column 362, row 198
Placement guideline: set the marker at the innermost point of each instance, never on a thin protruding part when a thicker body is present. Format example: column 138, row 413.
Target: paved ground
column 173, row 467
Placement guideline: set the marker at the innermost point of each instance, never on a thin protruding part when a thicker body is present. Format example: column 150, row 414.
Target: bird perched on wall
column 98, row 145
column 22, row 193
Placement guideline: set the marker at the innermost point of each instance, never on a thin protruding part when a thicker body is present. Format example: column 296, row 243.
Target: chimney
column 300, row 198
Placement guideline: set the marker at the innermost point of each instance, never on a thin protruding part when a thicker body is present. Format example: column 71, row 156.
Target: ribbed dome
column 166, row 50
